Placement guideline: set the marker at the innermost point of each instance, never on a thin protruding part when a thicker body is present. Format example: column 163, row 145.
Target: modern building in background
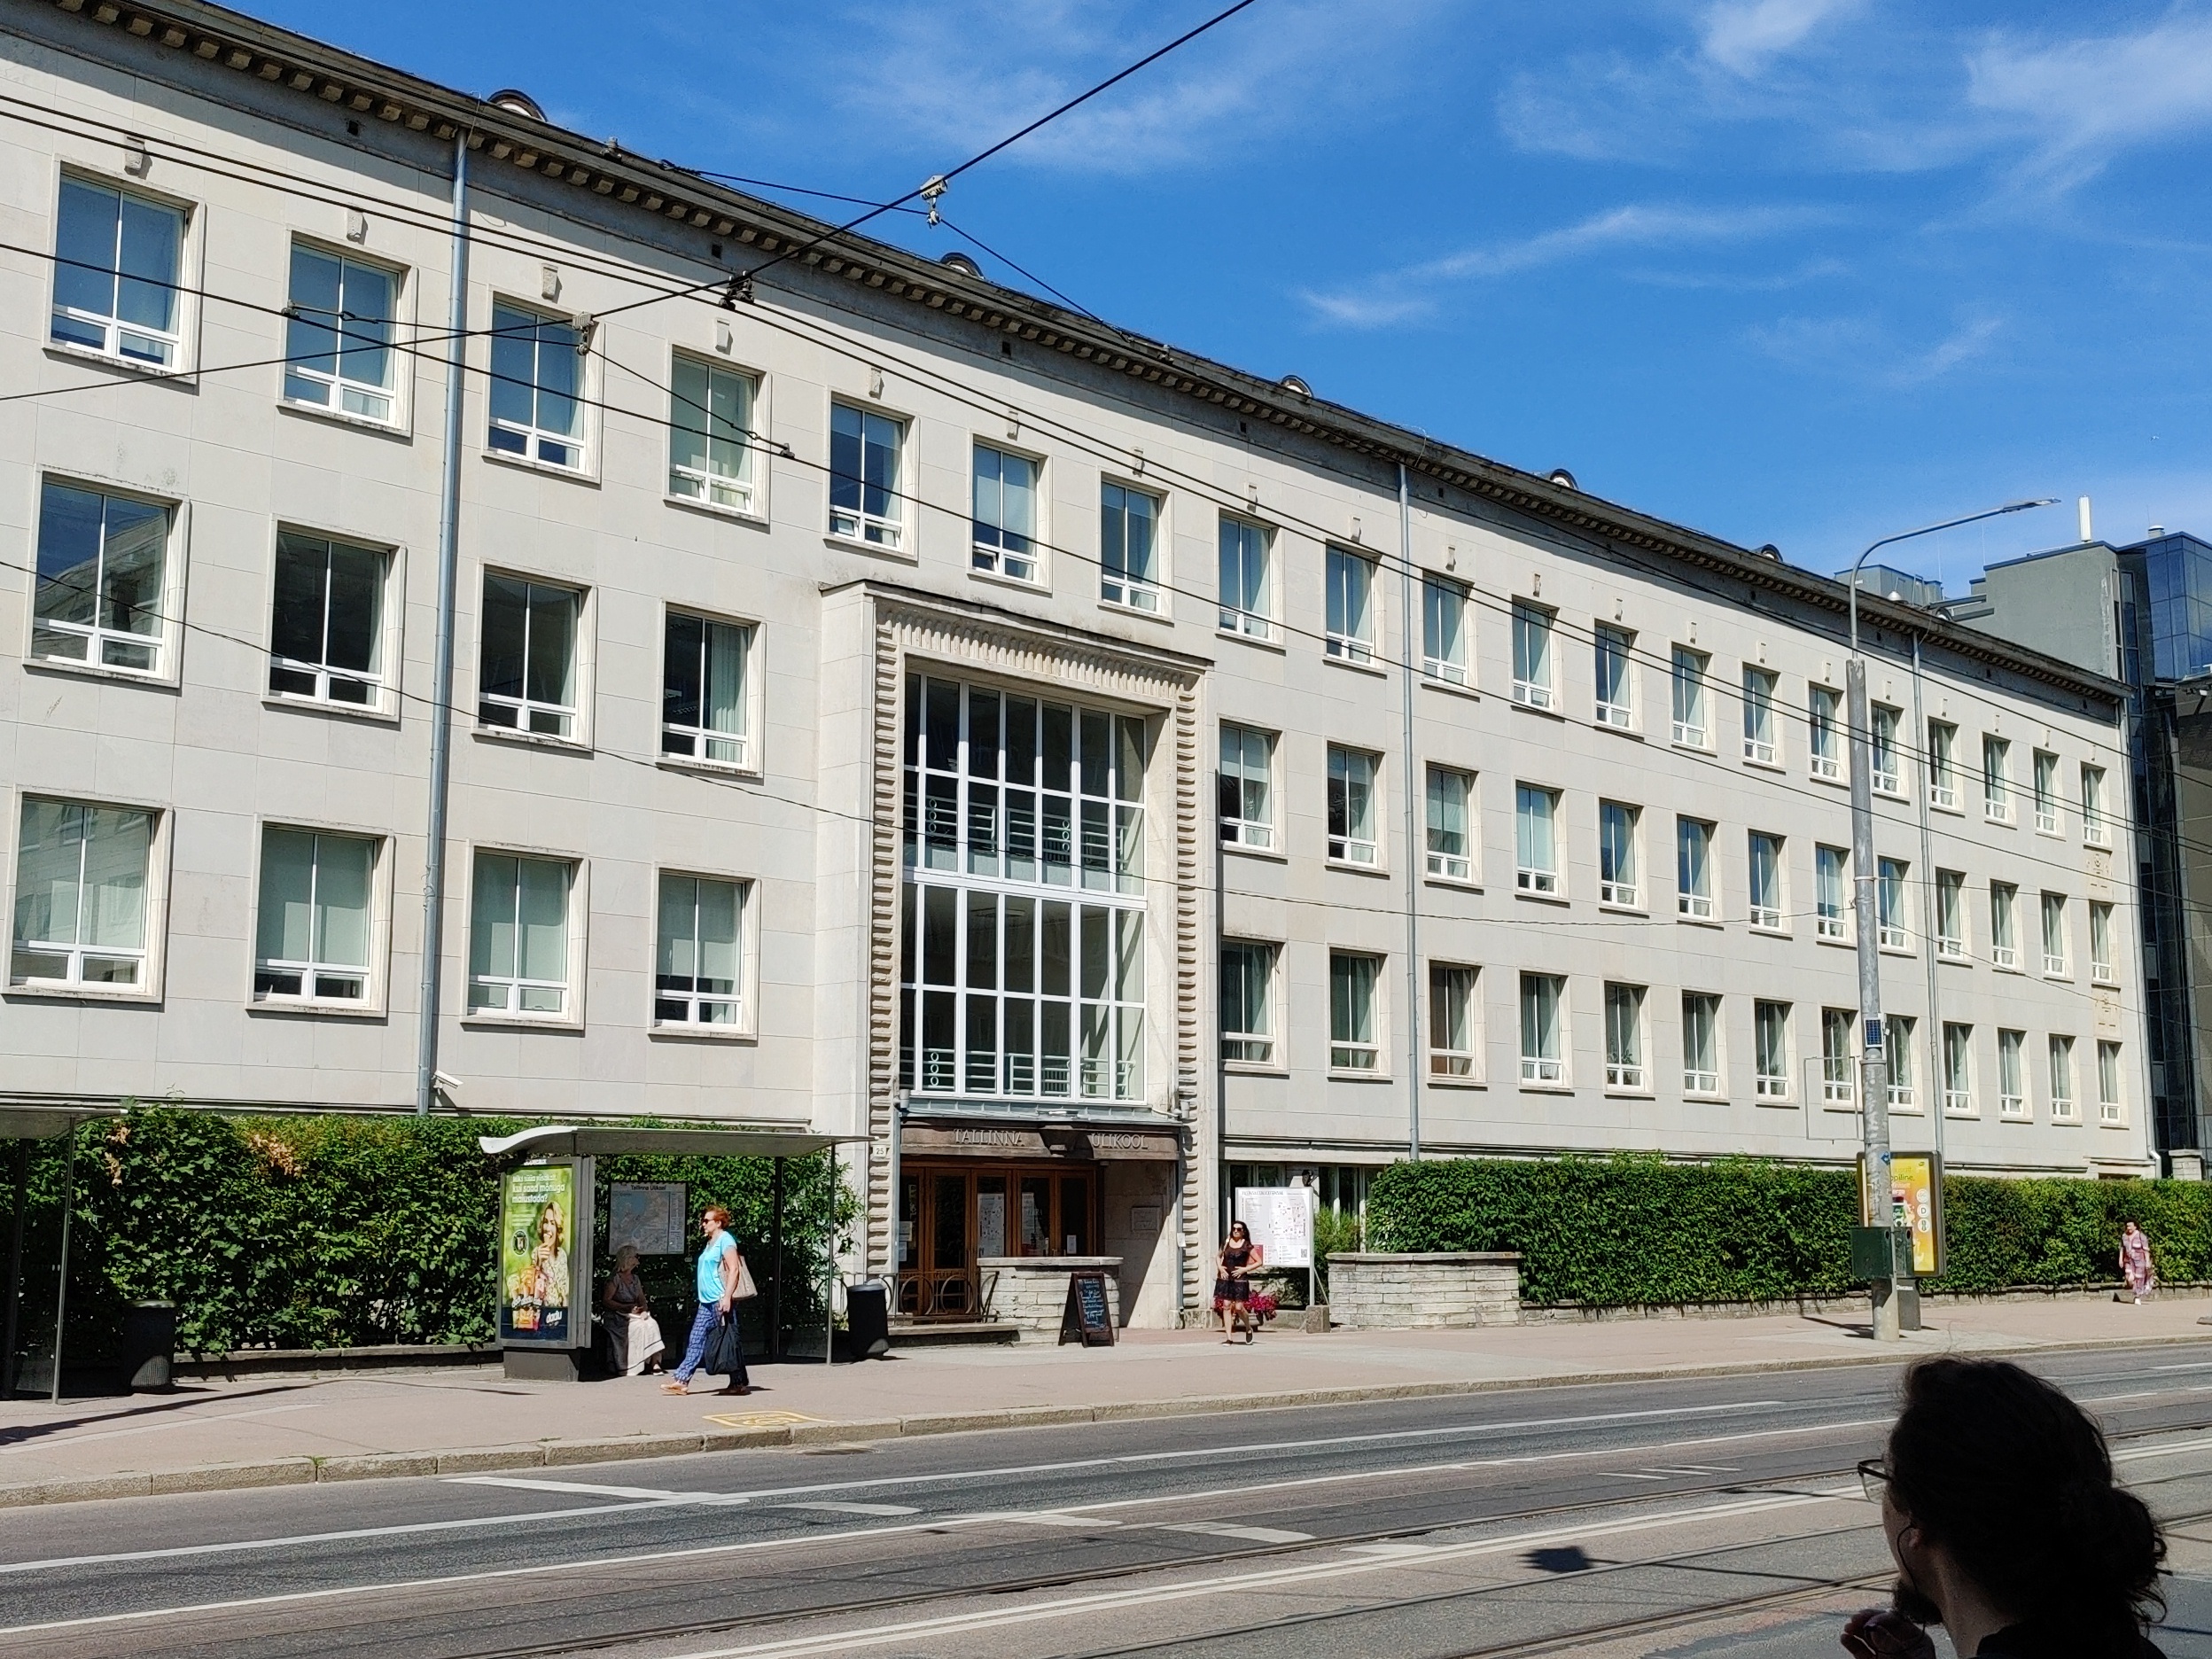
column 2141, row 611
column 883, row 702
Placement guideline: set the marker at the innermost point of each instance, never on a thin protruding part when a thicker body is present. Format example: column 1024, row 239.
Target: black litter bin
column 149, row 1345
column 868, row 1319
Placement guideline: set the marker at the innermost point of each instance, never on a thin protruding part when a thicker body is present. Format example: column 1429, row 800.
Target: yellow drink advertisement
column 537, row 1246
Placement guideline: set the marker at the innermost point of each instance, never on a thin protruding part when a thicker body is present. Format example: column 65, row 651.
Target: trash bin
column 149, row 1345
column 868, row 1319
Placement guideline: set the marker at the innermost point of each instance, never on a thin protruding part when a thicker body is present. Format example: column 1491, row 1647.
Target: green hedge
column 334, row 1232
column 1636, row 1231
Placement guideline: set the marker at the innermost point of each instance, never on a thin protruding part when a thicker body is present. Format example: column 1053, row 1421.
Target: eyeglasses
column 1874, row 1478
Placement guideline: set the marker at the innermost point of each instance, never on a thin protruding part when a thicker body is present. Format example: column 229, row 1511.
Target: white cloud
column 2083, row 101
column 1864, row 350
column 1744, row 36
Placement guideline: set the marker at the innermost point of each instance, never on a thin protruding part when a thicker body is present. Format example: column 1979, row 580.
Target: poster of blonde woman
column 538, row 1235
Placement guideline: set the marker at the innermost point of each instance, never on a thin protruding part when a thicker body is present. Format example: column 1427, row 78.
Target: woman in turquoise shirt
column 719, row 1261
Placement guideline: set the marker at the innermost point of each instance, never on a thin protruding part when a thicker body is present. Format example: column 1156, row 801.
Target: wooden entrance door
column 951, row 1214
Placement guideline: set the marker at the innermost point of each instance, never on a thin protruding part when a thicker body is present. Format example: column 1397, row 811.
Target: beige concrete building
column 884, row 701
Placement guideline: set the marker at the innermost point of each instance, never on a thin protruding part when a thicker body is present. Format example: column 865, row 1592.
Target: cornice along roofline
column 364, row 87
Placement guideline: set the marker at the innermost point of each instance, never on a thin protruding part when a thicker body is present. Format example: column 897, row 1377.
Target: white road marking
column 1390, row 1547
column 1030, row 1518
column 525, row 1483
column 1614, row 1474
column 855, row 1509
column 1248, row 1534
column 186, row 1421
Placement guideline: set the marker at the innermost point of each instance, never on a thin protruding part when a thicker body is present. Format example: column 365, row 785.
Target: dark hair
column 2013, row 1479
column 1236, row 1227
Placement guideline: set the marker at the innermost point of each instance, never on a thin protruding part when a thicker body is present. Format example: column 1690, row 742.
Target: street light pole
column 1873, row 1070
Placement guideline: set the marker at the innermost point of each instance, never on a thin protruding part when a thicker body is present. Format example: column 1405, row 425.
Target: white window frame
column 739, row 493
column 1893, row 882
column 1255, row 833
column 2005, row 926
column 1823, row 730
column 1625, row 889
column 2095, row 831
column 2104, row 966
column 1703, row 1081
column 1770, row 1084
column 877, row 533
column 1942, row 766
column 1351, row 1052
column 1618, row 645
column 1838, row 926
column 2112, row 1098
column 371, row 973
column 1532, row 625
column 576, row 913
column 2058, row 1060
column 1958, row 1079
column 1626, row 1067
column 1772, row 916
column 1001, row 558
column 1348, row 611
column 1898, row 1031
column 1688, row 687
column 1950, row 931
column 1345, row 847
column 2045, row 771
column 1996, row 782
column 381, row 681
column 1761, row 733
column 1839, row 1063
column 1694, row 887
column 1882, row 747
column 1122, row 588
column 745, row 741
column 151, row 954
column 166, row 642
column 1249, row 1047
column 1447, row 1064
column 1444, row 663
column 1445, row 866
column 1531, row 878
column 528, row 442
column 740, row 999
column 2057, row 964
column 1537, row 1068
column 527, row 708
column 112, row 329
column 2012, row 1084
column 1255, row 545
column 338, row 387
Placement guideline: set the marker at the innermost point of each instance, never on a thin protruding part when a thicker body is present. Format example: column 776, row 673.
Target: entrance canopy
column 605, row 1139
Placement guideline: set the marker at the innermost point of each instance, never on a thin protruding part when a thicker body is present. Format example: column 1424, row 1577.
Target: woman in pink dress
column 2134, row 1262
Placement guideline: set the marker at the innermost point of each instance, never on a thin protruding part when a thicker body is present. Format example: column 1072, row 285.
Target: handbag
column 725, row 1354
column 745, row 1288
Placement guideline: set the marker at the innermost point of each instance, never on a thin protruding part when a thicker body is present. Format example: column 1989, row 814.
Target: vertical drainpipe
column 1413, row 850
column 441, row 683
column 1936, row 1049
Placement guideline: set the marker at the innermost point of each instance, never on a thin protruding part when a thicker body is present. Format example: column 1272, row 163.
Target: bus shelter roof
column 42, row 1123
column 590, row 1139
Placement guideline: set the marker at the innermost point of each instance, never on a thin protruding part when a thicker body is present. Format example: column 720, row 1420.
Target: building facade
column 882, row 701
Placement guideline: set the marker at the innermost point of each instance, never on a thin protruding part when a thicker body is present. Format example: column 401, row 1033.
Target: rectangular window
column 1247, row 805
column 1246, row 602
column 314, row 928
column 1951, row 915
column 1839, row 1068
column 2047, row 781
column 1890, row 878
column 700, row 972
column 1958, row 1070
column 1690, row 724
column 1758, row 716
column 1831, row 892
column 338, row 338
column 1769, row 1039
column 1353, row 808
column 2062, row 1102
column 1700, row 1043
column 1535, row 846
column 1897, row 1045
column 1351, row 616
column 2004, row 947
column 2103, row 964
column 1824, row 742
column 1767, row 904
column 1532, row 655
column 1625, row 1037
column 2012, row 1074
column 518, row 935
column 709, row 434
column 1543, row 1048
column 1128, row 547
column 1616, row 703
column 1005, row 522
column 1444, row 630
column 102, row 594
column 537, row 386
column 1450, row 840
column 865, row 476
column 1942, row 766
column 2095, row 831
column 1997, row 788
column 528, row 672
column 1888, row 780
column 2054, row 951
column 82, row 874
column 2110, row 1107
column 1352, row 1045
column 1619, row 880
column 1693, row 868
column 118, row 261
column 1453, row 1026
column 1248, row 996
column 704, row 691
column 326, row 625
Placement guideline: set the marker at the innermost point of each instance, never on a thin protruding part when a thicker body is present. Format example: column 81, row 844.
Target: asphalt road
column 1499, row 1523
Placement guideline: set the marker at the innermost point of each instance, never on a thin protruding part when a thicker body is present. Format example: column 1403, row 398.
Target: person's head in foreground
column 1998, row 1504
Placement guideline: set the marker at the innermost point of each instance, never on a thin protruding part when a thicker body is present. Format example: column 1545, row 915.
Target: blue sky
column 1800, row 271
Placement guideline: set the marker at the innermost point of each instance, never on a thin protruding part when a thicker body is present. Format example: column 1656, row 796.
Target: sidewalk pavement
column 297, row 1428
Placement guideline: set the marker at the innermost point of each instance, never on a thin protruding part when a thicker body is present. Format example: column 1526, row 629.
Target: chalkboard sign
column 1087, row 1317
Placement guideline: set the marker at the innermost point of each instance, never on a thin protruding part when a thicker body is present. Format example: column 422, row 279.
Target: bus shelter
column 24, row 1124
column 536, row 1181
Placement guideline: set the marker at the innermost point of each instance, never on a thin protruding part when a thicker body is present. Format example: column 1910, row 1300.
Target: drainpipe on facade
column 1414, row 852
column 441, row 684
column 1939, row 1050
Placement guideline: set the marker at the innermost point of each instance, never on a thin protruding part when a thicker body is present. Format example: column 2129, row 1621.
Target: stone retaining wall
column 1442, row 1289
column 1031, row 1291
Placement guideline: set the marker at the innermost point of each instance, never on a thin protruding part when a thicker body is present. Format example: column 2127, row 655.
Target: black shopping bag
column 726, row 1349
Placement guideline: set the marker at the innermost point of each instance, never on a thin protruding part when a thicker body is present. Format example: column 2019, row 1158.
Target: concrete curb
column 569, row 1453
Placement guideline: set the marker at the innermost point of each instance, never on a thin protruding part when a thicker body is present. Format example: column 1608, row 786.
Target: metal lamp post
column 1874, row 1072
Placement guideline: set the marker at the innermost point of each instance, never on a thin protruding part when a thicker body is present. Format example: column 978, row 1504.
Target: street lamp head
column 2022, row 506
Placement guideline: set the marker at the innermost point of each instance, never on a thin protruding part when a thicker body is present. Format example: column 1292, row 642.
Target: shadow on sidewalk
column 20, row 1433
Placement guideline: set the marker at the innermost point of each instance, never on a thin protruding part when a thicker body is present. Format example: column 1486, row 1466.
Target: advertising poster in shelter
column 1280, row 1220
column 541, row 1243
